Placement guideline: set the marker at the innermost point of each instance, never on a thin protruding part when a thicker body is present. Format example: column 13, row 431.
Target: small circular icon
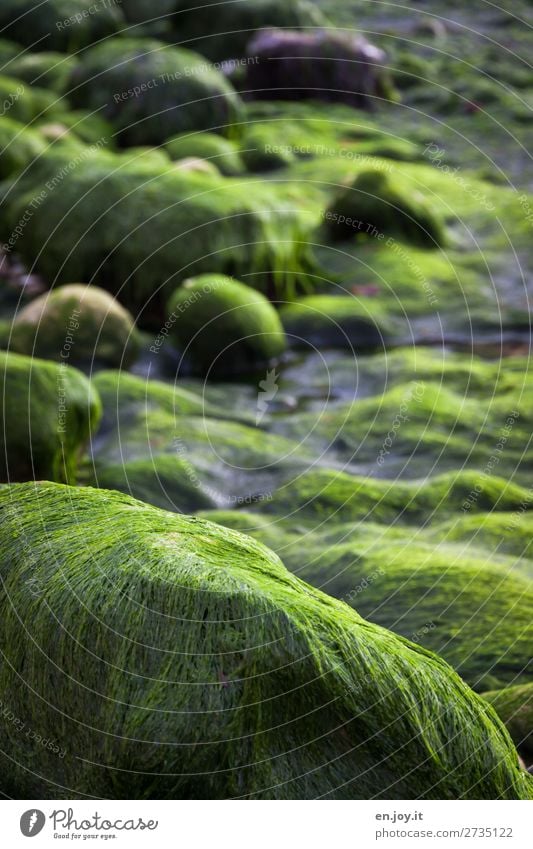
column 32, row 822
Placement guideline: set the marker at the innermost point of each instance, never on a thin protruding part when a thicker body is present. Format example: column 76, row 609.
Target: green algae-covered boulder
column 18, row 146
column 224, row 32
column 90, row 128
column 220, row 322
column 375, row 207
column 260, row 154
column 61, row 25
column 82, row 322
column 26, row 104
column 138, row 228
column 151, row 91
column 48, row 413
column 46, row 70
column 215, row 149
column 514, row 706
column 147, row 629
column 477, row 616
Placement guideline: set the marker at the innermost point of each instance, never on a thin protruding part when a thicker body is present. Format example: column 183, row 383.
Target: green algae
column 163, row 480
column 366, row 714
column 150, row 91
column 137, row 229
column 477, row 618
column 220, row 323
column 24, row 103
column 101, row 330
column 19, row 146
column 514, row 706
column 421, row 428
column 220, row 152
column 374, row 203
column 322, row 493
column 336, row 321
column 49, row 412
column 47, row 70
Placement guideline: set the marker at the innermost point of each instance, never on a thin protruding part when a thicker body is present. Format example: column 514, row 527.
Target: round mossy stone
column 26, row 104
column 374, row 206
column 218, row 151
column 77, row 322
column 260, row 155
column 180, row 660
column 151, row 91
column 90, row 129
column 19, row 147
column 223, row 324
column 49, row 411
column 46, row 70
column 514, row 706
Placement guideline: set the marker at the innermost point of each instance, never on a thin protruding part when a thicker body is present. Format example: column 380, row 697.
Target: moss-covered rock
column 375, row 207
column 514, row 706
column 220, row 323
column 48, row 413
column 215, row 149
column 21, row 103
column 99, row 624
column 18, row 147
column 77, row 321
column 61, row 25
column 283, row 65
column 260, row 154
column 46, row 70
column 151, row 91
column 86, row 126
column 137, row 229
column 224, row 32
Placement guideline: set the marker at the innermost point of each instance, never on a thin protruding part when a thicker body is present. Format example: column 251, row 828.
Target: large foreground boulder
column 151, row 91
column 161, row 656
column 48, row 414
column 318, row 65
